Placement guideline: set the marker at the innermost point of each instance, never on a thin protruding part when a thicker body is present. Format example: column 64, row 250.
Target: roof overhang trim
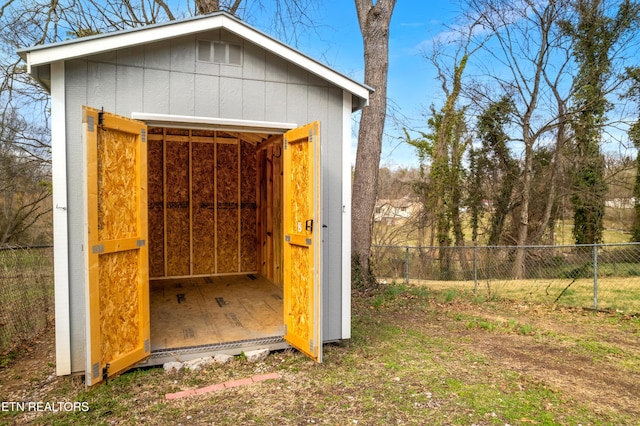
column 212, row 123
column 46, row 54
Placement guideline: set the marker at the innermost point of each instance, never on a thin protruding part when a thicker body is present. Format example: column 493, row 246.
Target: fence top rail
column 511, row 247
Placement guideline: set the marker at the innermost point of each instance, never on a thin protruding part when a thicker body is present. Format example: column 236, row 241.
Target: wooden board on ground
column 213, row 310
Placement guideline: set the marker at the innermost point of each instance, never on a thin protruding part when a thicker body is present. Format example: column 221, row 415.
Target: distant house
column 395, row 212
column 621, row 203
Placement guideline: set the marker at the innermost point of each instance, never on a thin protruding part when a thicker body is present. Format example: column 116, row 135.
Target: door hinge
column 285, row 143
column 95, row 370
column 91, row 123
column 310, row 135
column 97, row 249
column 311, row 345
column 143, row 135
column 141, row 243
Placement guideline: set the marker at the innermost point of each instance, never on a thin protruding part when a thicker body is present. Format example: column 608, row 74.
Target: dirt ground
column 32, row 374
column 592, row 356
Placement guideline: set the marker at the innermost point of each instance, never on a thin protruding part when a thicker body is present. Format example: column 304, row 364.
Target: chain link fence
column 601, row 276
column 26, row 294
column 597, row 276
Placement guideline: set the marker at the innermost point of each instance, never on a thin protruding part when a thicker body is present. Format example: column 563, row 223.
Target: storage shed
column 201, row 192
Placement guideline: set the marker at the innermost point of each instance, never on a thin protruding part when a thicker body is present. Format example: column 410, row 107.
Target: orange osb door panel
column 302, row 238
column 117, row 294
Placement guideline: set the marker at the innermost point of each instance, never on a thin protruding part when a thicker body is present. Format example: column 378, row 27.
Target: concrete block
column 170, row 367
column 222, row 358
column 257, row 355
column 198, row 363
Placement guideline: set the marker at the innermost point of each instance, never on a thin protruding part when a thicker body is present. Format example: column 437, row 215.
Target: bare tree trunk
column 374, row 26
column 523, row 223
column 529, row 138
column 207, row 6
column 553, row 170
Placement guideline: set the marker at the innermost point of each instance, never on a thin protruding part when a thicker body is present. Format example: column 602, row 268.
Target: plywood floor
column 203, row 311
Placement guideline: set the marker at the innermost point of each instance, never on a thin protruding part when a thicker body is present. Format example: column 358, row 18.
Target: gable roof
column 42, row 55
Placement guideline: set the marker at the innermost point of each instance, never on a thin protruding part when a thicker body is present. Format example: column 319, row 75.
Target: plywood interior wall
column 207, row 215
column 155, row 199
column 248, row 206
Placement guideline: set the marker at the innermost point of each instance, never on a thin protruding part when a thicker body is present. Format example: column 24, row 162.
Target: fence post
column 406, row 265
column 595, row 276
column 475, row 269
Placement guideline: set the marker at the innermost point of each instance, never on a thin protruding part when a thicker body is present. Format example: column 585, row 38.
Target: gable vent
column 219, row 52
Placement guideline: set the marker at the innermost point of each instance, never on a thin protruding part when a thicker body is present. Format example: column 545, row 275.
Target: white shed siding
column 265, row 88
column 183, row 55
column 181, row 93
column 254, row 66
column 207, row 103
column 134, row 56
column 129, row 84
column 101, row 79
column 253, row 104
column 347, row 99
column 230, row 97
column 154, row 97
column 276, row 69
column 275, row 100
column 75, row 88
column 154, row 70
column 157, row 57
column 60, row 224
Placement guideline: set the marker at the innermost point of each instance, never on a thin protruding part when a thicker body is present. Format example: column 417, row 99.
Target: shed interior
column 215, row 236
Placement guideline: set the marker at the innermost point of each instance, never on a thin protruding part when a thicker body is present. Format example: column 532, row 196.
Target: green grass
column 415, row 357
column 500, row 326
column 613, row 233
column 621, row 294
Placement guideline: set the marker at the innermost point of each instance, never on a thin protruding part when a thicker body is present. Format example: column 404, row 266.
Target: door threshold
column 161, row 356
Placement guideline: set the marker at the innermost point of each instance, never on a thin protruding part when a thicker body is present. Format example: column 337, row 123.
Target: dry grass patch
column 416, row 357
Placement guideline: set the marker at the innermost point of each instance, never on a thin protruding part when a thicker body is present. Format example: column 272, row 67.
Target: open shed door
column 117, row 297
column 303, row 236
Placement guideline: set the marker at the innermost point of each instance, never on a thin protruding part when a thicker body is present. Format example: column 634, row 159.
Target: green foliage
column 633, row 75
column 6, row 358
column 595, row 35
column 444, row 148
column 525, row 329
column 449, row 295
column 361, row 279
column 25, row 186
column 82, row 32
column 498, row 170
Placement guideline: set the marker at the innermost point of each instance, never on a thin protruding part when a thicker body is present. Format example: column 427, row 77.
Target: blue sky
column 411, row 85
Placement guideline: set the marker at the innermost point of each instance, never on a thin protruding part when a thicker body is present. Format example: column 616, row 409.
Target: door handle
column 308, row 225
